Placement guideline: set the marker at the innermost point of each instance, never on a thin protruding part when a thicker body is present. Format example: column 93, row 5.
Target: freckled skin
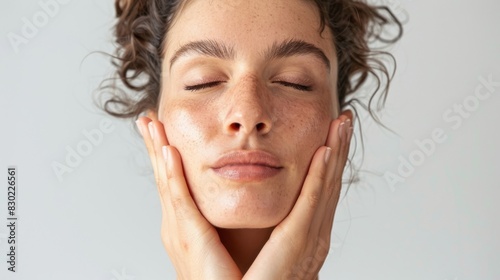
column 201, row 124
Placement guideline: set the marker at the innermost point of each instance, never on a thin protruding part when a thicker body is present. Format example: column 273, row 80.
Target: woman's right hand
column 192, row 243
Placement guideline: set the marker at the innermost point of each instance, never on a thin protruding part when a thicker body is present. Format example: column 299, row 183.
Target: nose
column 248, row 110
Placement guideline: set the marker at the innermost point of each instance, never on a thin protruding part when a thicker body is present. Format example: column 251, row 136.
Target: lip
column 247, row 166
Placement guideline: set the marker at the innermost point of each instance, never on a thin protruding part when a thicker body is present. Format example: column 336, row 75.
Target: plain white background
column 102, row 219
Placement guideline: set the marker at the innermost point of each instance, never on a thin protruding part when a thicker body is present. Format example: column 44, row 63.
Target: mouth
column 247, row 166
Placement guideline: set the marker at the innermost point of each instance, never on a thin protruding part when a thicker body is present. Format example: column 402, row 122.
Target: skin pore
column 247, row 76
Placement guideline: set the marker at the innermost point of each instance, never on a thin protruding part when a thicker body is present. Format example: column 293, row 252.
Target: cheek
column 186, row 125
column 190, row 130
column 306, row 127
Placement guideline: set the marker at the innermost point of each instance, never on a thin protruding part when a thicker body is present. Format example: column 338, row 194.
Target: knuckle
column 157, row 179
column 314, row 198
column 179, row 208
column 337, row 181
column 163, row 188
column 165, row 238
column 329, row 188
column 322, row 174
column 184, row 244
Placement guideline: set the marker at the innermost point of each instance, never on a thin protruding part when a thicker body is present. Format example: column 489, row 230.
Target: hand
column 192, row 243
column 298, row 246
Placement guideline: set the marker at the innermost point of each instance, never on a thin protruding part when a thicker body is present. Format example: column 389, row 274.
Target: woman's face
column 248, row 93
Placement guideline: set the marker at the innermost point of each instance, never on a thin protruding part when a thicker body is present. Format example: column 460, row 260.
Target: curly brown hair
column 143, row 24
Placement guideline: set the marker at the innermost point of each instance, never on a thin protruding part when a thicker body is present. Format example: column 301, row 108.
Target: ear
column 152, row 114
column 349, row 114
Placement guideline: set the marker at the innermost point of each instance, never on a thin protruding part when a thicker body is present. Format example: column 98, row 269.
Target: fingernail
column 341, row 129
column 164, row 150
column 151, row 128
column 139, row 127
column 328, row 153
column 347, row 129
column 168, row 160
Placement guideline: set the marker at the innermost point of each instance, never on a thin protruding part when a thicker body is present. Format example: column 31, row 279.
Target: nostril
column 235, row 126
column 260, row 126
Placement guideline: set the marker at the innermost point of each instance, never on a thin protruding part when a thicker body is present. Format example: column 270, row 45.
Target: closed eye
column 202, row 86
column 213, row 84
column 295, row 86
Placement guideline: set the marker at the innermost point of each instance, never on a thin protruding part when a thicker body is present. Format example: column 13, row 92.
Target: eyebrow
column 296, row 47
column 277, row 50
column 207, row 48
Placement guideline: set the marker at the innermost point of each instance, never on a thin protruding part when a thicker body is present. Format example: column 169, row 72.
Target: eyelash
column 212, row 84
column 202, row 86
column 295, row 86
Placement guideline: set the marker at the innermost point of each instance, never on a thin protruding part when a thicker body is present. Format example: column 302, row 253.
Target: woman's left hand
column 298, row 246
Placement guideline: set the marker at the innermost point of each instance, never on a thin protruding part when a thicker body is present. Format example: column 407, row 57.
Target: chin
column 231, row 205
column 236, row 223
column 245, row 216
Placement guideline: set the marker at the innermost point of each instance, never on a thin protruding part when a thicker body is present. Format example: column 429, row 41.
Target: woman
column 244, row 126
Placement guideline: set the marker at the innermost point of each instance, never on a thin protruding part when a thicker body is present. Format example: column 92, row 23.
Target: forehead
column 249, row 25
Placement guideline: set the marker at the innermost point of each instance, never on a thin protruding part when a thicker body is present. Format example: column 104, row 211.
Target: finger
column 159, row 140
column 180, row 214
column 314, row 193
column 302, row 213
column 343, row 135
column 327, row 204
column 335, row 142
column 326, row 209
column 142, row 125
column 188, row 216
column 166, row 182
column 146, row 127
column 349, row 114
